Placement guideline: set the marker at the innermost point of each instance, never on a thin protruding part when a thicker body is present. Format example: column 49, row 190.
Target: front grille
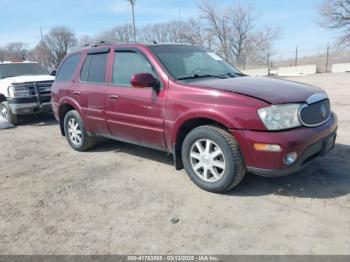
column 315, row 114
column 40, row 89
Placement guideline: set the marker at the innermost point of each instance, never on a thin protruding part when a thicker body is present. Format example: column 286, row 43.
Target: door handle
column 77, row 93
column 113, row 97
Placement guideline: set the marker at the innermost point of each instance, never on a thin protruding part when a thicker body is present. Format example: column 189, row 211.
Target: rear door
column 135, row 114
column 93, row 88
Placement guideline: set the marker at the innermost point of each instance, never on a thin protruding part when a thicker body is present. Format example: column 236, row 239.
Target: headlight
column 278, row 117
column 18, row 91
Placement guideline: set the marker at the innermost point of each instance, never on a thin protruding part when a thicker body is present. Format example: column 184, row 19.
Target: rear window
column 94, row 68
column 68, row 68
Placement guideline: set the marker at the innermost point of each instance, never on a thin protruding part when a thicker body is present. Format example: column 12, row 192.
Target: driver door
column 135, row 114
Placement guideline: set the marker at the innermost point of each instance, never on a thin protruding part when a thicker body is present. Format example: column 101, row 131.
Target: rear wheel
column 76, row 134
column 6, row 112
column 212, row 159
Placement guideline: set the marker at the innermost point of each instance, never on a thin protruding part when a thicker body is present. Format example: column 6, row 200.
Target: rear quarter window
column 68, row 68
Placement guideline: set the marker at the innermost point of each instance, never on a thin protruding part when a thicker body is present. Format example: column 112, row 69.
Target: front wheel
column 76, row 134
column 6, row 112
column 212, row 159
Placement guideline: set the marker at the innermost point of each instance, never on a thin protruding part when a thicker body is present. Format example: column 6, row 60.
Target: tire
column 216, row 174
column 74, row 129
column 6, row 112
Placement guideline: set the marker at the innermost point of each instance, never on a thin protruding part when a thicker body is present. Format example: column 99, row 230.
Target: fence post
column 327, row 58
column 268, row 63
column 244, row 62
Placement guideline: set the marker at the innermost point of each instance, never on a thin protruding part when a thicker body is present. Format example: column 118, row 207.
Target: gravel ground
column 124, row 199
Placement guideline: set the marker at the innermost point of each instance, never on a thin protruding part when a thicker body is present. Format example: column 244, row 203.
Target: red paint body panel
column 154, row 118
column 296, row 140
column 271, row 90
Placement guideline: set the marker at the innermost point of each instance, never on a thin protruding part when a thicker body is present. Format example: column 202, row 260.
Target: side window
column 94, row 68
column 68, row 68
column 85, row 69
column 2, row 73
column 128, row 63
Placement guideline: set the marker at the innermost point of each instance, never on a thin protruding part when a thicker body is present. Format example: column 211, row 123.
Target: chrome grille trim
column 315, row 99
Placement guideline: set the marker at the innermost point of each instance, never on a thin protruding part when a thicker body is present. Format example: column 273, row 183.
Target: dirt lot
column 120, row 198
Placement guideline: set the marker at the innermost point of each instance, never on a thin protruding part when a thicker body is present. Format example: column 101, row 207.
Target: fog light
column 290, row 158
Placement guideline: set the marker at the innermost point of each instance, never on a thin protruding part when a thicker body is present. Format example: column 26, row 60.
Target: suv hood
column 27, row 78
column 270, row 90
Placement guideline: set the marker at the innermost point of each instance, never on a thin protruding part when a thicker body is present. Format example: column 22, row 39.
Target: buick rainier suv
column 185, row 100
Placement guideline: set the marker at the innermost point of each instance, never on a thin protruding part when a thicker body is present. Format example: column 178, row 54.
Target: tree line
column 230, row 30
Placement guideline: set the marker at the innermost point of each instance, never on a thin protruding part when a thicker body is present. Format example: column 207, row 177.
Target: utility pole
column 327, row 58
column 41, row 34
column 296, row 56
column 180, row 26
column 132, row 3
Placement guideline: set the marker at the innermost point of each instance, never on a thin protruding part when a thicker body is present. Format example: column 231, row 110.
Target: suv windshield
column 20, row 69
column 190, row 62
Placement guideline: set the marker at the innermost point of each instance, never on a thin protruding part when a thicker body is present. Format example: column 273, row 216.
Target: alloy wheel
column 3, row 111
column 74, row 132
column 207, row 160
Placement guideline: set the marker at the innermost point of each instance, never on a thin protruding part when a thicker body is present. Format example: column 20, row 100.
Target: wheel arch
column 62, row 111
column 186, row 127
column 2, row 98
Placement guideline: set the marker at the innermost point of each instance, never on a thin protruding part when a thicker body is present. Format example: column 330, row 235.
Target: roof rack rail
column 154, row 42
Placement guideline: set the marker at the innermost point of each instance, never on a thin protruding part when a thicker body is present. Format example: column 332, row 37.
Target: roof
column 102, row 43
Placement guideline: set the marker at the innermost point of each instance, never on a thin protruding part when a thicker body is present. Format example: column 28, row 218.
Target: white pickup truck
column 25, row 88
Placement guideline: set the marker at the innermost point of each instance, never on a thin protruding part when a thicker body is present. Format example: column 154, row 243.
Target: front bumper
column 28, row 106
column 308, row 143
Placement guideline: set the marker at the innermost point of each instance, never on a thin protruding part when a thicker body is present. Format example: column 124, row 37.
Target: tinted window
column 20, row 69
column 68, row 67
column 128, row 63
column 94, row 68
column 85, row 69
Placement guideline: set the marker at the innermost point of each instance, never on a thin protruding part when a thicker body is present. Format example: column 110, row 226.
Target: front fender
column 194, row 114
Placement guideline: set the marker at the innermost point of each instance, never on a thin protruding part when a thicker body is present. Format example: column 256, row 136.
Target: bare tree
column 41, row 54
column 132, row 3
column 172, row 31
column 217, row 24
column 17, row 50
column 86, row 40
column 3, row 54
column 122, row 33
column 241, row 23
column 335, row 14
column 233, row 28
column 58, row 42
column 196, row 34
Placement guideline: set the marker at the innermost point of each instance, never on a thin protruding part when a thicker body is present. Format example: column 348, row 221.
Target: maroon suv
column 186, row 100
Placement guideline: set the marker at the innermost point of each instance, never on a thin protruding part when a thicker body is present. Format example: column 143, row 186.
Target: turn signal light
column 267, row 147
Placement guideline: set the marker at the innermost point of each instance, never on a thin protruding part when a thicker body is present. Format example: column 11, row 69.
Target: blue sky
column 20, row 20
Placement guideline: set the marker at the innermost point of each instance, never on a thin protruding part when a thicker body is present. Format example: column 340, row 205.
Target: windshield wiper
column 201, row 76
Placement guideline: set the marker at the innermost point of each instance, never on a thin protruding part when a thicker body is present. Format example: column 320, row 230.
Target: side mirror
column 143, row 80
column 53, row 73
